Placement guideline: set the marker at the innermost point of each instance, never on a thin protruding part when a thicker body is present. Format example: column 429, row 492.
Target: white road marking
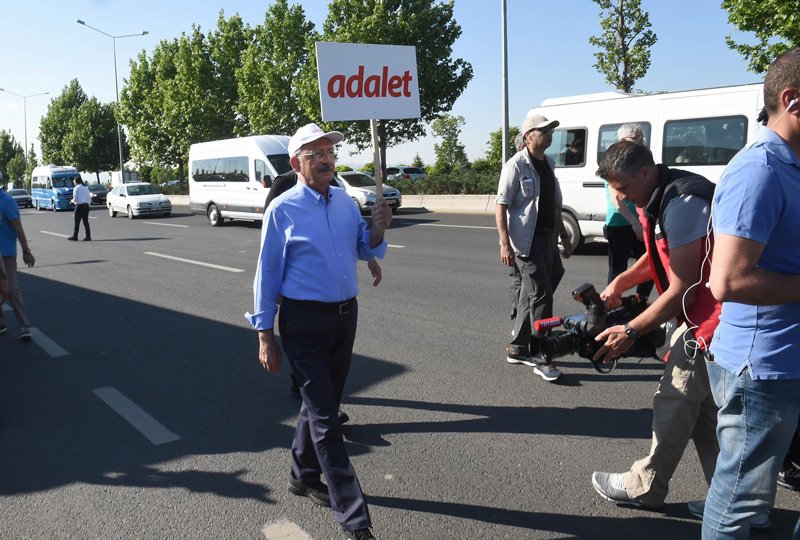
column 45, row 343
column 148, row 426
column 283, row 529
column 165, row 224
column 455, row 226
column 48, row 345
column 55, row 234
column 198, row 263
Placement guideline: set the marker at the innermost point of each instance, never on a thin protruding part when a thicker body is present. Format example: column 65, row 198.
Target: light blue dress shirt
column 310, row 245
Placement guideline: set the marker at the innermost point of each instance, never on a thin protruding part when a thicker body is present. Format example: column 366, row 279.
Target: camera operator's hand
column 616, row 343
column 611, row 296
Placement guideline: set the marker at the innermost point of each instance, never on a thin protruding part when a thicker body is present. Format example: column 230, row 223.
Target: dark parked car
column 99, row 193
column 22, row 197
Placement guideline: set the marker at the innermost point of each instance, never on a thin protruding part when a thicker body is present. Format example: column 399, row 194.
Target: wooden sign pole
column 376, row 159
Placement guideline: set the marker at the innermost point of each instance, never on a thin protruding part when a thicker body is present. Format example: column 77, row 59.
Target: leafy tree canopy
column 776, row 24
column 9, row 149
column 450, row 153
column 55, row 125
column 624, row 55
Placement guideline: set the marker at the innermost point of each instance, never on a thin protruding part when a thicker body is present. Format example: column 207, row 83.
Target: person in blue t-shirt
column 10, row 231
column 755, row 272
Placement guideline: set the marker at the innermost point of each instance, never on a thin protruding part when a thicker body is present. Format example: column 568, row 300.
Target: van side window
column 569, row 147
column 227, row 169
column 703, row 141
column 261, row 172
column 608, row 136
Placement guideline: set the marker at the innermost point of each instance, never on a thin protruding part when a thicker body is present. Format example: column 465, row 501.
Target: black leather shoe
column 72, row 238
column 87, row 239
column 360, row 534
column 343, row 417
column 318, row 493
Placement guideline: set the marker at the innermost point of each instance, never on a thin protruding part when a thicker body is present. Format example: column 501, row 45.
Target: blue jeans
column 756, row 422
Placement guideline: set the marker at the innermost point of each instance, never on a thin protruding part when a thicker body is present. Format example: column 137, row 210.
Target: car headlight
column 371, row 196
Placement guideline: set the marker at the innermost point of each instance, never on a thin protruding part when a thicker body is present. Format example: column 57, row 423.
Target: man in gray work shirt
column 528, row 217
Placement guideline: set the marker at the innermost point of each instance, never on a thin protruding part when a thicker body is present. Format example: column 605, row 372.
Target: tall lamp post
column 116, row 82
column 24, row 115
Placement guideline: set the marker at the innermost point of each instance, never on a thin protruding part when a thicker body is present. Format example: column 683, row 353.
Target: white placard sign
column 363, row 82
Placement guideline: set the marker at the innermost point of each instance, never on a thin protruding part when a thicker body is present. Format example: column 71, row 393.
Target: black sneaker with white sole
column 546, row 370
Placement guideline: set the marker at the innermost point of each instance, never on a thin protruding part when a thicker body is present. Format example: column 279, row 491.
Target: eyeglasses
column 320, row 154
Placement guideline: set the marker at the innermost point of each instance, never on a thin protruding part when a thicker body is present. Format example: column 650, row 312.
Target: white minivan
column 225, row 177
column 695, row 130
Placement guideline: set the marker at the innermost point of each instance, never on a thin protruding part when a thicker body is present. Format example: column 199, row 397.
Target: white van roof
column 268, row 144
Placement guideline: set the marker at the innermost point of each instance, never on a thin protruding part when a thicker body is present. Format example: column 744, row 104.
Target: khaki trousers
column 683, row 409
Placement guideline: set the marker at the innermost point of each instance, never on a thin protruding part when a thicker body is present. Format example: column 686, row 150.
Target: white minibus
column 225, row 176
column 51, row 186
column 696, row 130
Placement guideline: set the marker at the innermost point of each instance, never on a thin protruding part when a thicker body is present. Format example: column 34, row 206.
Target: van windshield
column 64, row 181
column 280, row 162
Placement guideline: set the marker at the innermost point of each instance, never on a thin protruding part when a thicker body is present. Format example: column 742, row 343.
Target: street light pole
column 116, row 81
column 24, row 115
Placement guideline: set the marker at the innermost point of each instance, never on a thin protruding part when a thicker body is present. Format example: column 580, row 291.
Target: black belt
column 337, row 308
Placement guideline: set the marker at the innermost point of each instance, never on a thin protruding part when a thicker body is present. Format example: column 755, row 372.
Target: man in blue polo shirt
column 755, row 272
column 313, row 236
column 10, row 231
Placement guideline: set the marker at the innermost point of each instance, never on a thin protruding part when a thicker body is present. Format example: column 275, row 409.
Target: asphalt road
column 141, row 411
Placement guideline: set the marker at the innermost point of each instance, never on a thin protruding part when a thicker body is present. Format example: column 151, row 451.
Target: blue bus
column 51, row 187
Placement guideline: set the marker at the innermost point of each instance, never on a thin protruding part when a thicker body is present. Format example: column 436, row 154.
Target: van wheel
column 574, row 231
column 111, row 211
column 130, row 213
column 214, row 217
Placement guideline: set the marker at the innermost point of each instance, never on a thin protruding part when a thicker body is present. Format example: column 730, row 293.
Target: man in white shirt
column 81, row 198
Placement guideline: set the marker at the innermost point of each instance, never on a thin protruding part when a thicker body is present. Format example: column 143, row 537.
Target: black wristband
column 630, row 332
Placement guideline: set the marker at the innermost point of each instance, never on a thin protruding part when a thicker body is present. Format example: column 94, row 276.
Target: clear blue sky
column 43, row 48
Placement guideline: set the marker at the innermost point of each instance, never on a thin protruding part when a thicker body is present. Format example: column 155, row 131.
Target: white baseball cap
column 537, row 121
column 310, row 133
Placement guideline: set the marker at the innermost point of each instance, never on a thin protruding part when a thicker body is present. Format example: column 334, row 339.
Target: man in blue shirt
column 313, row 236
column 10, row 231
column 755, row 272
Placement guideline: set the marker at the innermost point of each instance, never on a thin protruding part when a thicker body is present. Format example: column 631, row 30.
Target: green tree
column 450, row 154
column 9, row 149
column 427, row 25
column 33, row 162
column 270, row 76
column 91, row 144
column 494, row 155
column 55, row 125
column 417, row 162
column 16, row 169
column 625, row 43
column 775, row 23
column 185, row 93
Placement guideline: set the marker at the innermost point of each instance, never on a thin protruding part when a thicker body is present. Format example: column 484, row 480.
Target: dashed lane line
column 148, row 426
column 283, row 529
column 198, row 263
column 394, row 246
column 456, row 226
column 55, row 234
column 164, row 224
column 53, row 349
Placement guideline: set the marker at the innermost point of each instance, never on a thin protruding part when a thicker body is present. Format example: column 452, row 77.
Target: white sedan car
column 137, row 199
column 362, row 189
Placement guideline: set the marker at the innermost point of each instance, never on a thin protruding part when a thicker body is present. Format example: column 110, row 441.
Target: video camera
column 580, row 330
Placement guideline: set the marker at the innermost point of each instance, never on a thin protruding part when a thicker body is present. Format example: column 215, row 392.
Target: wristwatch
column 631, row 333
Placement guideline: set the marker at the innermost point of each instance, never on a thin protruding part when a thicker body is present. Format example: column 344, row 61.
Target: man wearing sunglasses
column 312, row 237
column 528, row 218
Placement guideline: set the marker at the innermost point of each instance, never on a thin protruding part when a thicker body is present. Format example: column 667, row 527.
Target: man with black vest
column 675, row 212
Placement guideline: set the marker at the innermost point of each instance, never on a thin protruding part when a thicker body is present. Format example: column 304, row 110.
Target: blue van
column 51, row 186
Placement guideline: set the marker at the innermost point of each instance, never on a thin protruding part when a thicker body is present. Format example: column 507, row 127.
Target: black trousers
column 82, row 214
column 319, row 347
column 622, row 245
